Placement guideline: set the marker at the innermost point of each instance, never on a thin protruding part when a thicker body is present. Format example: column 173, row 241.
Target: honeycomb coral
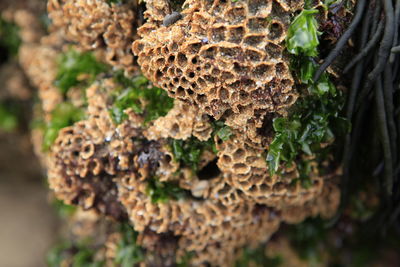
column 97, row 25
column 106, row 167
column 247, row 172
column 181, row 122
column 224, row 56
column 224, row 64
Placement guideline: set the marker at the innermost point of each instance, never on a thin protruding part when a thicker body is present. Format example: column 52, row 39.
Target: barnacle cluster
column 181, row 151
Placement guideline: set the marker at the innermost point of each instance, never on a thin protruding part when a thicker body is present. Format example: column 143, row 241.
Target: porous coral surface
column 181, row 174
column 227, row 57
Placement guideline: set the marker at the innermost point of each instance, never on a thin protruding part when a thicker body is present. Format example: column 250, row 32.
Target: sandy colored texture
column 224, row 64
column 225, row 57
column 97, row 25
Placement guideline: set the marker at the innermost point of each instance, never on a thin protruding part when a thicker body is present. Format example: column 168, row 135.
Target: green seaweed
column 80, row 254
column 9, row 38
column 184, row 261
column 309, row 124
column 311, row 120
column 115, row 1
column 221, row 130
column 164, row 191
column 72, row 64
column 129, row 252
column 63, row 210
column 302, row 35
column 65, row 114
column 258, row 257
column 142, row 97
column 8, row 117
column 306, row 238
column 188, row 152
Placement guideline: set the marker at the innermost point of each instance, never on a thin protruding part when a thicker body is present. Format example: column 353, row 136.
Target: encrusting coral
column 227, row 57
column 108, row 27
column 189, row 171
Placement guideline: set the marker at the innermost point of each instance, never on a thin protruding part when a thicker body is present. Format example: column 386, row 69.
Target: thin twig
column 396, row 26
column 388, row 98
column 383, row 53
column 385, row 139
column 385, row 46
column 371, row 44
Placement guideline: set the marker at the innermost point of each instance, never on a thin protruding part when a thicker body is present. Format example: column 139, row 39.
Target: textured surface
column 224, row 64
column 225, row 57
column 97, row 25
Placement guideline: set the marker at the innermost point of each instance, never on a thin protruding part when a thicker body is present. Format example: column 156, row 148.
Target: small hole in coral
column 275, row 31
column 171, row 59
column 280, row 68
column 257, row 24
column 174, row 46
column 182, row 60
column 158, row 74
column 223, row 94
column 194, row 48
column 209, row 171
column 209, row 53
column 202, row 99
column 273, row 50
column 236, row 34
column 253, row 40
column 263, row 71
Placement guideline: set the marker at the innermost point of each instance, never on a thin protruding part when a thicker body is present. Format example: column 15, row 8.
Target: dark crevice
column 209, row 171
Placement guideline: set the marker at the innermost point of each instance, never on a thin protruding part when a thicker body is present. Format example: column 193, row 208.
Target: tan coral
column 97, row 25
column 102, row 166
column 199, row 224
column 181, row 122
column 223, row 59
column 226, row 57
column 40, row 65
column 246, row 170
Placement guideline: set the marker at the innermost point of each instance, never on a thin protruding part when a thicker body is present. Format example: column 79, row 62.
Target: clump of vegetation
column 310, row 120
column 142, row 97
column 73, row 66
column 65, row 114
column 8, row 117
column 221, row 130
column 9, row 38
column 128, row 252
column 115, row 1
column 63, row 210
column 188, row 152
column 164, row 191
column 78, row 255
column 306, row 238
column 185, row 260
column 258, row 257
column 302, row 36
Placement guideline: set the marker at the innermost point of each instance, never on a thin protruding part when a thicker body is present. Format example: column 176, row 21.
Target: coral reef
column 181, row 151
column 227, row 57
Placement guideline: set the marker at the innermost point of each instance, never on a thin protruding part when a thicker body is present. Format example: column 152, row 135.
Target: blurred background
column 28, row 224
